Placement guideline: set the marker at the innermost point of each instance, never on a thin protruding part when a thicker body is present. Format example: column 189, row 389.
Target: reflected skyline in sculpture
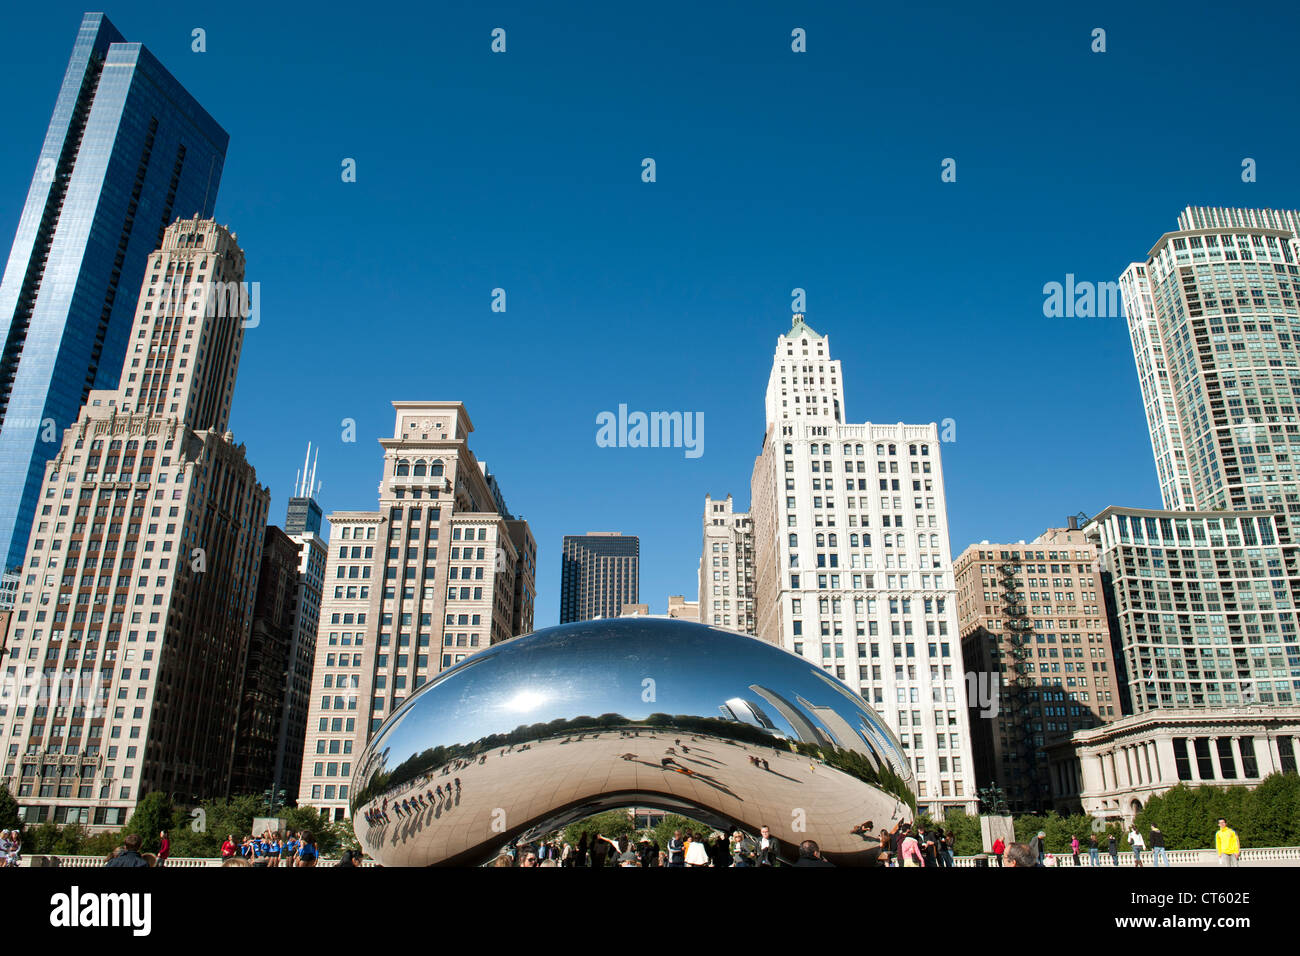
column 548, row 728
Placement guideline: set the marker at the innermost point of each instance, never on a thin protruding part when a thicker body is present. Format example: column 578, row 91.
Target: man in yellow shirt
column 1227, row 844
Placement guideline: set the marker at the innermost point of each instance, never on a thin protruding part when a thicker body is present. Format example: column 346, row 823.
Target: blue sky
column 775, row 170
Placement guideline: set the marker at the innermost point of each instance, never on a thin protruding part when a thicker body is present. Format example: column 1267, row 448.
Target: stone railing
column 1259, row 856
column 1264, row 856
column 40, row 859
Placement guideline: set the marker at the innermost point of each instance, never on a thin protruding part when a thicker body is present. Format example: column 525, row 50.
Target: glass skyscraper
column 128, row 151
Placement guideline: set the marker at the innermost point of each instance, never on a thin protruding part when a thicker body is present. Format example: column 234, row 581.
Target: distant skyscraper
column 851, row 562
column 600, row 572
column 127, row 151
column 727, row 568
column 141, row 570
column 305, row 514
column 440, row 570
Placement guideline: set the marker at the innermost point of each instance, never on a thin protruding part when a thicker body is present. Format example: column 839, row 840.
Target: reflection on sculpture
column 534, row 733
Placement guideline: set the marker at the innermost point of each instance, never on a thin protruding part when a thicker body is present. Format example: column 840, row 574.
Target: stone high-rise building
column 126, row 152
column 1037, row 651
column 599, row 573
column 727, row 567
column 137, row 589
column 852, row 561
column 439, row 571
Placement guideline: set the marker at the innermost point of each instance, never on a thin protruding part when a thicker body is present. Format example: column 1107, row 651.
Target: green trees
column 612, row 824
column 152, row 815
column 1266, row 815
column 8, row 811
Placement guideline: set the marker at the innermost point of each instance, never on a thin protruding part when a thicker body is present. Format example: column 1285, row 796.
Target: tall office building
column 127, row 151
column 1034, row 638
column 1213, row 319
column 439, row 571
column 727, row 567
column 599, row 573
column 137, row 590
column 852, row 563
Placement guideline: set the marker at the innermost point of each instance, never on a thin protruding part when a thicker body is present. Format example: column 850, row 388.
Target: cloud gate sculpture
column 535, row 733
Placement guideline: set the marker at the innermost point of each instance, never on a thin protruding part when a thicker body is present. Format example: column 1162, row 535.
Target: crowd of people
column 271, row 849
column 1227, row 847
column 684, row 849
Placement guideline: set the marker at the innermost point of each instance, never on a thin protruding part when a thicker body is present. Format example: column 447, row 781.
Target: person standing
column 769, row 849
column 1074, row 848
column 1136, row 842
column 696, row 854
column 1227, row 845
column 1036, row 847
column 676, row 850
column 1113, row 846
column 1157, row 840
column 1094, row 853
column 999, row 848
column 908, row 851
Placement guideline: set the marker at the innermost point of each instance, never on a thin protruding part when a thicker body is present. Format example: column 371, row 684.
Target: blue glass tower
column 128, row 150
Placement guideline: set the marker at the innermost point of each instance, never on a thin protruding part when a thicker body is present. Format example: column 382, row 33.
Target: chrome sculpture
column 535, row 733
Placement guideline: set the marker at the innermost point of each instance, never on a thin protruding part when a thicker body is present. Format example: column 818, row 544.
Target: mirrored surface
column 545, row 729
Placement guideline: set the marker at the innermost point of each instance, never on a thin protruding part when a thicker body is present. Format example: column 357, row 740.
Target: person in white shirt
column 1136, row 842
column 696, row 854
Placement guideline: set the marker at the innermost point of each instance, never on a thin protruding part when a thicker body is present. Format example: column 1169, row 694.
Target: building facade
column 1214, row 319
column 1037, row 653
column 266, row 663
column 852, row 561
column 682, row 609
column 1112, row 772
column 439, row 571
column 1200, row 607
column 126, row 152
column 137, row 591
column 599, row 573
column 727, row 568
